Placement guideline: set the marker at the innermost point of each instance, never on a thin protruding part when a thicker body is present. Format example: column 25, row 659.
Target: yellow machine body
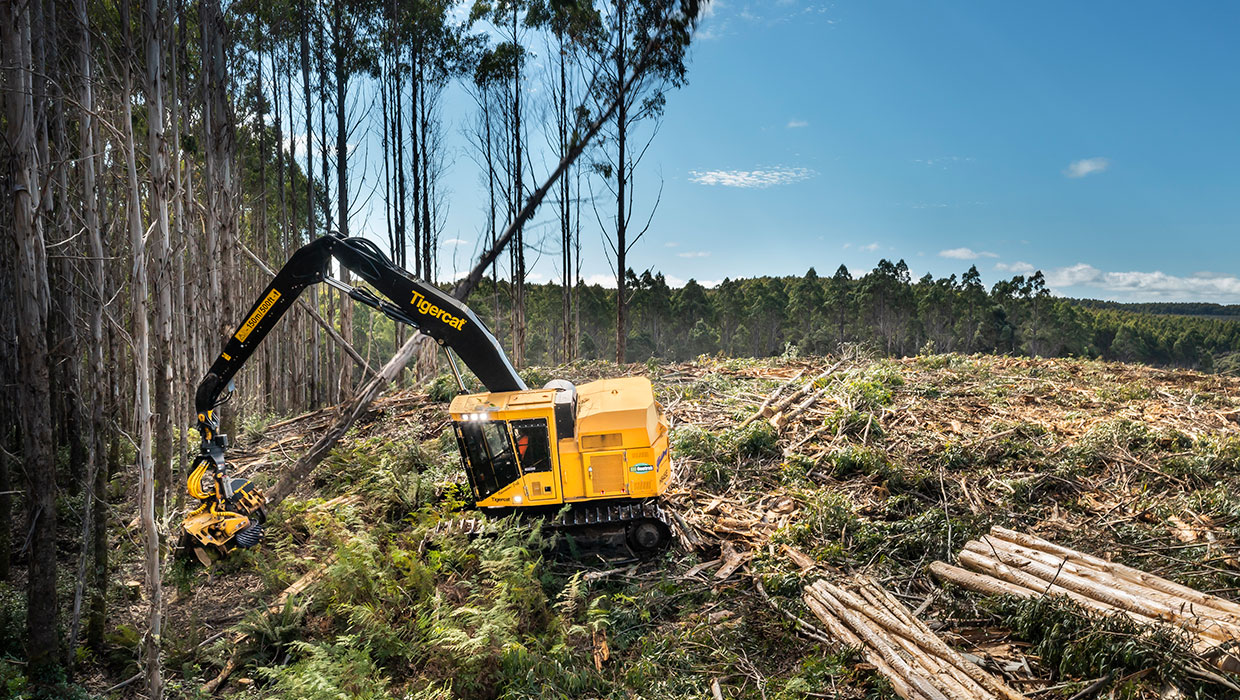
column 605, row 440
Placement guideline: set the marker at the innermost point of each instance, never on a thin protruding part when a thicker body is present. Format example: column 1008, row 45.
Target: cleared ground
column 877, row 467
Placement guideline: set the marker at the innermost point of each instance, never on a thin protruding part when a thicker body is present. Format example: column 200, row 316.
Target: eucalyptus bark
column 31, row 297
column 140, row 335
column 622, row 115
column 342, row 185
column 157, row 202
column 96, row 298
column 518, row 194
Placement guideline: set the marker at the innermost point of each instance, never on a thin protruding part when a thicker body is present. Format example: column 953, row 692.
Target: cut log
column 1010, row 562
column 762, row 411
column 919, row 665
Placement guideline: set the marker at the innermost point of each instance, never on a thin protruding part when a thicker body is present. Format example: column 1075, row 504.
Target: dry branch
column 296, row 588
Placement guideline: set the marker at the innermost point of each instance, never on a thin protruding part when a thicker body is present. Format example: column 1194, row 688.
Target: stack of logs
column 919, row 665
column 1013, row 563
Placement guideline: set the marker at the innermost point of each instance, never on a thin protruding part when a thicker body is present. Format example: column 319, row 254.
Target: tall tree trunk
column 324, row 354
column 142, row 381
column 398, row 127
column 416, row 179
column 157, row 146
column 219, row 126
column 487, row 118
column 32, row 299
column 182, row 330
column 307, row 13
column 342, row 188
column 566, row 231
column 287, row 377
column 428, row 228
column 97, row 298
column 518, row 195
column 622, row 306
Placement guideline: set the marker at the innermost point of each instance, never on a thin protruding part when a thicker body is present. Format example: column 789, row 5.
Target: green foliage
column 13, row 681
column 399, row 475
column 254, row 426
column 854, row 460
column 536, row 377
column 443, row 388
column 830, row 528
column 883, row 310
column 1078, row 643
column 718, row 457
column 827, row 669
column 326, row 671
column 873, row 390
column 271, row 634
column 12, row 621
column 847, row 421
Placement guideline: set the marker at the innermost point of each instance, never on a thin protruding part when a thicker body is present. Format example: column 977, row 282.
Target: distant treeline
column 883, row 309
column 1171, row 308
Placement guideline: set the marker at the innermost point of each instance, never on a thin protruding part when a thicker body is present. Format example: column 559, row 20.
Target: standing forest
column 162, row 159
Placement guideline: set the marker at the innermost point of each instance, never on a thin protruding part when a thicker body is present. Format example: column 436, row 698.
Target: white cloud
column 871, row 247
column 454, row 242
column 670, row 244
column 608, row 281
column 797, row 124
column 1156, row 285
column 694, row 254
column 752, row 179
column 1016, row 268
column 943, row 162
column 966, row 254
column 1086, row 166
column 1079, row 273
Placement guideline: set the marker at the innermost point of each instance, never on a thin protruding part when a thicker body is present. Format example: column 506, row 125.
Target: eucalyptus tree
column 573, row 25
column 31, row 297
column 624, row 48
column 498, row 78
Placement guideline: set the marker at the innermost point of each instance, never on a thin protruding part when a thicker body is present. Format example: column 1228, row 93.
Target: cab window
column 488, row 449
column 533, row 444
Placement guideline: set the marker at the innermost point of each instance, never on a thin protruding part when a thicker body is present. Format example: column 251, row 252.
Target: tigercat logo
column 428, row 309
column 269, row 301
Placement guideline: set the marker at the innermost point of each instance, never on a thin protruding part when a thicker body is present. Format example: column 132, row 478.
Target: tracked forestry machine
column 602, row 448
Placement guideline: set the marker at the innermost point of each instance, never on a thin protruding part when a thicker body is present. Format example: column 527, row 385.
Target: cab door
column 533, row 445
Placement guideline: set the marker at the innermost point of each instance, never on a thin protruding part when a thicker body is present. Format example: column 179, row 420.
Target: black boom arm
column 409, row 300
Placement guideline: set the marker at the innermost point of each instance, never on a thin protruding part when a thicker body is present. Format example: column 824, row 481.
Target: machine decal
column 269, row 301
column 660, row 460
column 427, row 308
column 641, row 468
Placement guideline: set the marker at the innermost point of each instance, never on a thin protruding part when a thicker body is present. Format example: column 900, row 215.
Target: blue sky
column 1098, row 141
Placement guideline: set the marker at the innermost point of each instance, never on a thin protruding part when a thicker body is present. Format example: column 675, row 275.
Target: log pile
column 919, row 665
column 1014, row 563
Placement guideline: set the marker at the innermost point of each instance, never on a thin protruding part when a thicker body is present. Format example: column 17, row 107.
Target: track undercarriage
column 642, row 526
